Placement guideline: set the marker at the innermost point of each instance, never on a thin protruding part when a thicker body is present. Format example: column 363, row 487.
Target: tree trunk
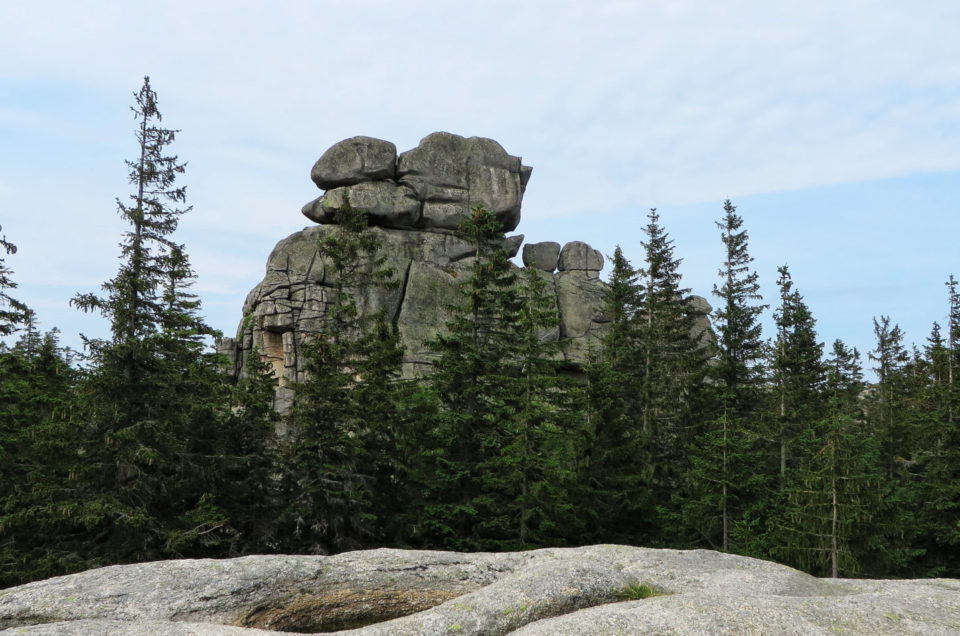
column 723, row 500
column 833, row 528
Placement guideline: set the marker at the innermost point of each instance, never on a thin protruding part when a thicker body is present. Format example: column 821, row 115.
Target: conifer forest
column 773, row 445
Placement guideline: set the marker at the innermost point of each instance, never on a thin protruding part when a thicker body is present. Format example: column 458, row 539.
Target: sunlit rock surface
column 601, row 589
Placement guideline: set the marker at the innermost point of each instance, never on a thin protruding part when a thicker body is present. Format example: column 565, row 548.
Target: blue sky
column 834, row 127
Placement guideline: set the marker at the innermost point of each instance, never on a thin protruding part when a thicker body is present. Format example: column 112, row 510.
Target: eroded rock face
column 550, row 592
column 452, row 174
column 355, row 160
column 434, row 185
column 415, row 202
column 289, row 305
column 541, row 255
column 577, row 256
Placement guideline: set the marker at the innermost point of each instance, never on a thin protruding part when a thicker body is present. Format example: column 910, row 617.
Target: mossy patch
column 639, row 591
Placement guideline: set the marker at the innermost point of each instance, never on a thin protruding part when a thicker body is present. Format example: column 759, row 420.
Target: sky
column 834, row 127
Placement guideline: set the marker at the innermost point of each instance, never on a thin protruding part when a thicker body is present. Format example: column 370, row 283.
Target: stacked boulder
column 433, row 186
column 415, row 202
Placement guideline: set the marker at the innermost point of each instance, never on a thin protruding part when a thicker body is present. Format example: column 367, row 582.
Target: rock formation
column 604, row 589
column 415, row 201
column 435, row 185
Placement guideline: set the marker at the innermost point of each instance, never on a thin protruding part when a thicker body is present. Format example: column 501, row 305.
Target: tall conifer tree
column 499, row 457
column 12, row 311
column 144, row 486
column 891, row 407
column 616, row 470
column 725, row 487
column 888, row 408
column 475, row 407
column 342, row 407
column 36, row 382
column 670, row 362
column 796, row 366
column 832, row 490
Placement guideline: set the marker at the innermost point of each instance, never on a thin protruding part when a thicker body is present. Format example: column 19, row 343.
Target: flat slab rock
column 541, row 592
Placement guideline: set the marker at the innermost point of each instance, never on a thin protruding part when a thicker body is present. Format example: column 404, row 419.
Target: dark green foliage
column 539, row 458
column 891, row 407
column 343, row 416
column 643, row 385
column 150, row 406
column 725, row 494
column 498, row 458
column 475, row 408
column 888, row 405
column 247, row 493
column 736, row 319
column 796, row 367
column 950, row 375
column 36, row 380
column 832, row 491
column 719, row 498
column 669, row 361
column 935, row 463
column 12, row 311
column 616, row 474
column 136, row 463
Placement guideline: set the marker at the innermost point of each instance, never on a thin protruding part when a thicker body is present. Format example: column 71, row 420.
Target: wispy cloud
column 618, row 105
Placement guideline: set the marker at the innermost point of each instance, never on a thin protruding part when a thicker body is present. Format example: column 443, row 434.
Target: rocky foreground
column 589, row 590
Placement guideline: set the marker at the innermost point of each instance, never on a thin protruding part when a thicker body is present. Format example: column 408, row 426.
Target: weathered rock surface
column 388, row 204
column 355, row 160
column 452, row 174
column 434, row 185
column 541, row 255
column 414, row 202
column 549, row 592
column 289, row 305
column 577, row 255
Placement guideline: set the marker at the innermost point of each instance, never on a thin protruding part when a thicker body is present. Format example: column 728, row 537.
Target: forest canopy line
column 767, row 445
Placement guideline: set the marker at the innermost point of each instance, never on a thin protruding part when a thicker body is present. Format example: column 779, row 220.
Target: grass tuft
column 639, row 591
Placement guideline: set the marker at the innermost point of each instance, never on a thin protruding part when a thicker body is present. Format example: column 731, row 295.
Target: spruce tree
column 888, row 408
column 538, row 462
column 891, row 410
column 248, row 492
column 469, row 380
column 935, row 470
column 832, row 491
column 670, row 362
column 796, row 367
column 341, row 409
column 12, row 311
column 144, row 484
column 737, row 375
column 726, row 486
column 953, row 347
column 739, row 345
column 498, row 459
column 36, row 382
column 616, row 473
